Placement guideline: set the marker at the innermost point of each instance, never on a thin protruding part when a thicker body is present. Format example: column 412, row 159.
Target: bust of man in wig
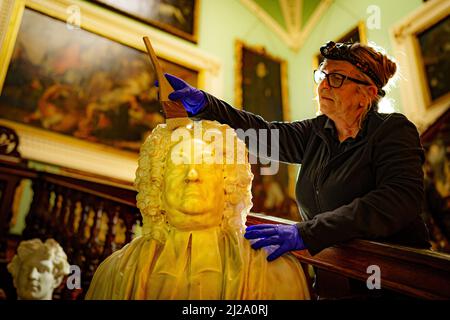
column 38, row 268
column 194, row 194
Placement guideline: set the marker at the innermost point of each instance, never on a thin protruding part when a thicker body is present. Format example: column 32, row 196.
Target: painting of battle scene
column 83, row 85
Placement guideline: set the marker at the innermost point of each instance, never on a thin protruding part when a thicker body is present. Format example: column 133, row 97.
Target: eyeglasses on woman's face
column 335, row 80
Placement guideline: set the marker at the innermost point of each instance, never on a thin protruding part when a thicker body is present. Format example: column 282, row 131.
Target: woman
column 361, row 173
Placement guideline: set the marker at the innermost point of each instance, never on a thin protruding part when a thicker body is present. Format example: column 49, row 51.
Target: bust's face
column 35, row 279
column 193, row 192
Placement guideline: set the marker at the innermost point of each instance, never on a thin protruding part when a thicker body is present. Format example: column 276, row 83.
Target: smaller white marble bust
column 38, row 268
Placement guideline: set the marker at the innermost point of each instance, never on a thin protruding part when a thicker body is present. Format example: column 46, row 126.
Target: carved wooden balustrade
column 89, row 217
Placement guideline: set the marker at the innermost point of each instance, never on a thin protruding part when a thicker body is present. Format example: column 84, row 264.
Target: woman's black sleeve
column 292, row 136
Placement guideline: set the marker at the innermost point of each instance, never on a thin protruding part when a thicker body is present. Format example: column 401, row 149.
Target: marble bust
column 38, row 268
column 194, row 193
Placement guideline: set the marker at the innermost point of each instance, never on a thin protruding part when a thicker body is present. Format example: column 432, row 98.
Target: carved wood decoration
column 90, row 220
column 9, row 142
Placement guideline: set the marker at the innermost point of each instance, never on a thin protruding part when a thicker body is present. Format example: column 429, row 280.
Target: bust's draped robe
column 205, row 264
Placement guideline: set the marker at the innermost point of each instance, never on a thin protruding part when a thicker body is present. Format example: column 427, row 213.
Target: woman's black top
column 368, row 187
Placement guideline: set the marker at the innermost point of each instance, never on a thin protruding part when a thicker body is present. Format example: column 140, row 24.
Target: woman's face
column 193, row 195
column 346, row 102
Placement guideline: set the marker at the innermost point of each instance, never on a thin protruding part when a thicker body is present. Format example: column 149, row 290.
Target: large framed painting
column 433, row 47
column 261, row 88
column 423, row 41
column 102, row 93
column 85, row 97
column 179, row 17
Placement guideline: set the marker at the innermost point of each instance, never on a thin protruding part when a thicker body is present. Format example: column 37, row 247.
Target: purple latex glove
column 193, row 99
column 286, row 237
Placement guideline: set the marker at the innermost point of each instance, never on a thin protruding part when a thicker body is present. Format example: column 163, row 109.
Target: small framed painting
column 261, row 88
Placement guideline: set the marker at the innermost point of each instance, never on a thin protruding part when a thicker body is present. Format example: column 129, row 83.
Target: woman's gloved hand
column 192, row 98
column 286, row 237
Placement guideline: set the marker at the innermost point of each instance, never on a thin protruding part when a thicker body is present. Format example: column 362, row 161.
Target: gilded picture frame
column 61, row 150
column 417, row 58
column 261, row 88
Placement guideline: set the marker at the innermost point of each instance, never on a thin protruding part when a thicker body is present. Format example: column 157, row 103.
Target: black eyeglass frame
column 344, row 77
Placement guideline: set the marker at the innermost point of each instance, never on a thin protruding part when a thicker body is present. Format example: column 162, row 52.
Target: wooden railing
column 92, row 217
column 407, row 271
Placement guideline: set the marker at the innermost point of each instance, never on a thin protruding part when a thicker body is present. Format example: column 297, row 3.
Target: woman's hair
column 382, row 67
column 380, row 64
column 50, row 250
column 151, row 169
